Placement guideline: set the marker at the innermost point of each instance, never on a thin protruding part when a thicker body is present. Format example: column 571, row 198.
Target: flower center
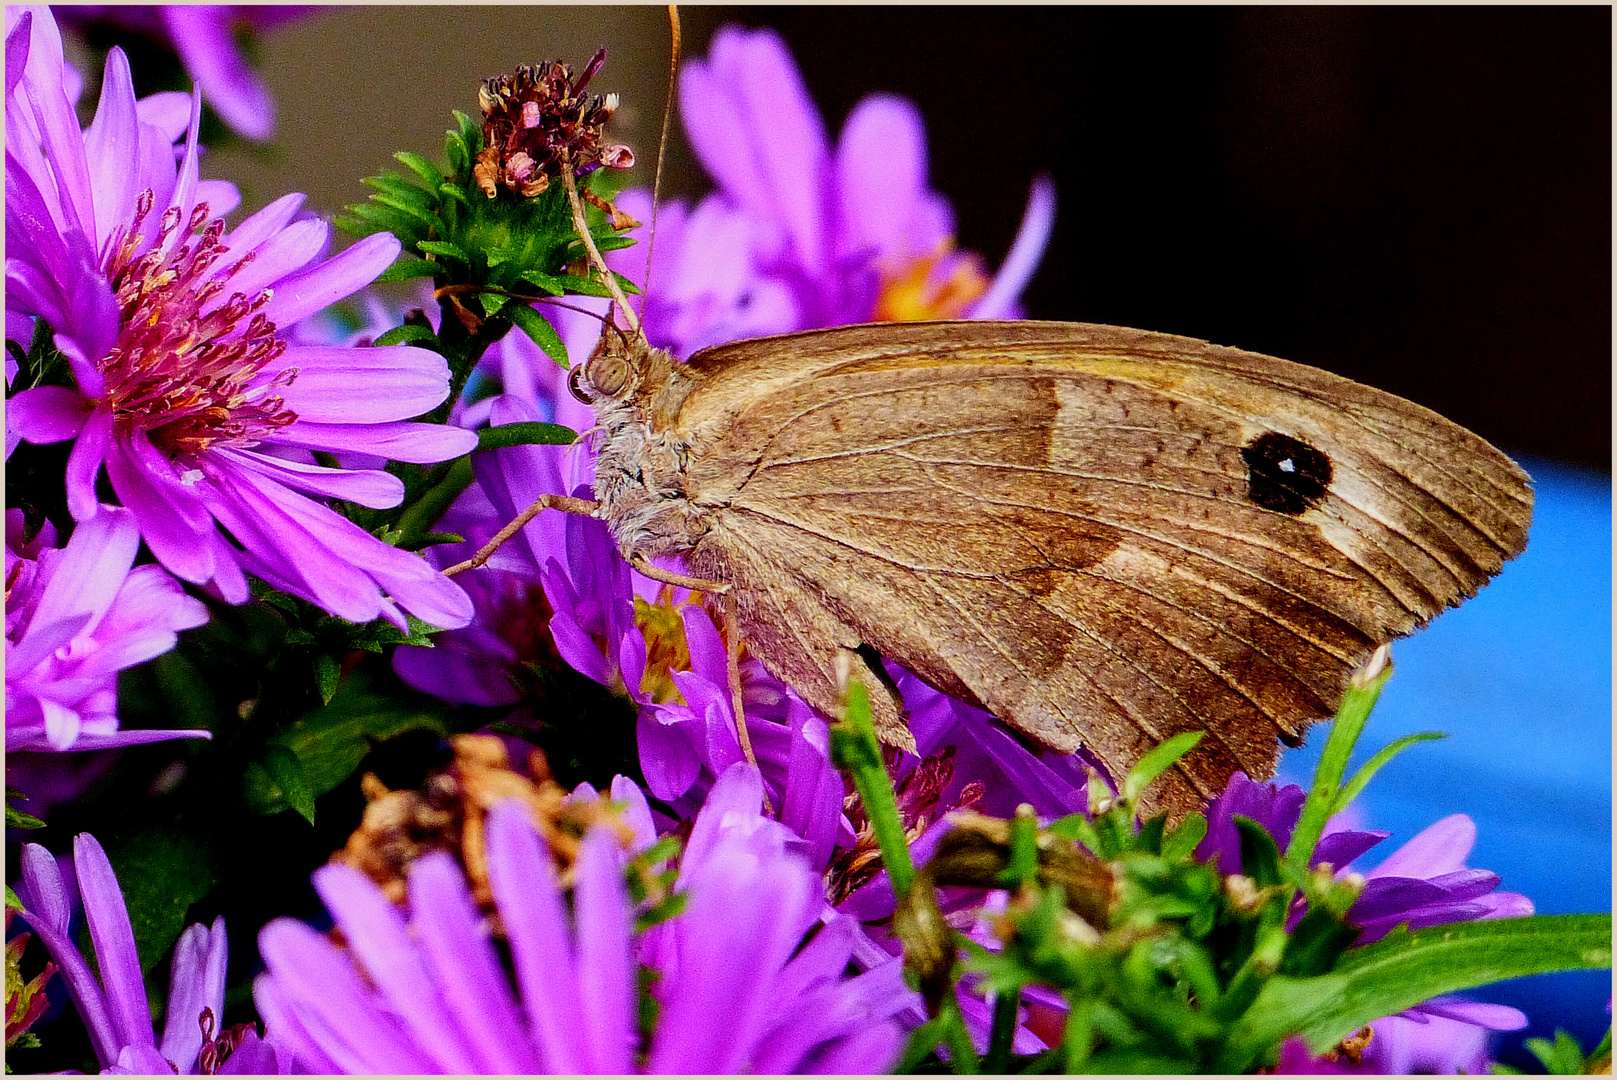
column 666, row 649
column 938, row 286
column 184, row 369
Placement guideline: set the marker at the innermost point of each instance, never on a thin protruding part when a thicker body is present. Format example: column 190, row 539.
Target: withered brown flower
column 537, row 122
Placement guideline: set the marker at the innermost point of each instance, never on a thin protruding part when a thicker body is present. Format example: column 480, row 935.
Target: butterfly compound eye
column 607, row 374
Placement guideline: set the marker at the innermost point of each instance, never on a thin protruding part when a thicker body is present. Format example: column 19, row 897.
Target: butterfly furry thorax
column 1103, row 536
column 636, row 391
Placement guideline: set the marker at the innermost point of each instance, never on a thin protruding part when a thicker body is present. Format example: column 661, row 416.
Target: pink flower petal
column 380, row 941
column 367, row 487
column 201, row 35
column 881, row 179
column 352, row 386
column 525, row 890
column 1026, row 251
column 47, row 414
column 108, row 918
column 306, row 293
column 605, row 972
column 755, row 128
column 397, row 441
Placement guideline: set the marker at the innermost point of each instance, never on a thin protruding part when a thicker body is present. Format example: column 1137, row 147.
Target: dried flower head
column 537, row 122
column 448, row 814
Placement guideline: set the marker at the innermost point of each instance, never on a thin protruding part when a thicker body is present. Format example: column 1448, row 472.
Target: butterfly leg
column 565, row 503
column 732, row 637
column 732, row 643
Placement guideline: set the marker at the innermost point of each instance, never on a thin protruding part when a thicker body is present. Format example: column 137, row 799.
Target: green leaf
column 16, row 819
column 12, row 899
column 327, row 673
column 1344, row 735
column 539, row 330
column 525, row 433
column 1155, row 761
column 409, row 332
column 421, row 167
column 283, row 768
column 1406, row 968
column 161, row 873
column 330, row 742
column 1260, row 859
column 1353, row 787
column 1182, row 840
column 1563, row 1057
column 444, row 249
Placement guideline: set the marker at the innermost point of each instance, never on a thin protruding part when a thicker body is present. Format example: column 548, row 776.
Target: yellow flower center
column 666, row 649
column 919, row 291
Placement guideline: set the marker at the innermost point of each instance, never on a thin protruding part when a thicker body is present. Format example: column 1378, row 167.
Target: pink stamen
column 187, row 377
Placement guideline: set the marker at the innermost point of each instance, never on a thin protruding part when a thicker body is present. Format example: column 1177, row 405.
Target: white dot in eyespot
column 1286, row 466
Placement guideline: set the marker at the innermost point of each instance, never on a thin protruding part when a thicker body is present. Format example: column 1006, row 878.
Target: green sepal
column 671, row 905
column 1260, row 858
column 327, row 674
column 1563, row 1057
column 444, row 249
column 17, row 819
column 1180, row 842
column 12, row 899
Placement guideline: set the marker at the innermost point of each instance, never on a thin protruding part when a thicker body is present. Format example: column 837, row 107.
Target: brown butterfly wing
column 1103, row 536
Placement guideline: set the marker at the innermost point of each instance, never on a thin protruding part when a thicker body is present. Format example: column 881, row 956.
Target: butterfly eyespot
column 1285, row 474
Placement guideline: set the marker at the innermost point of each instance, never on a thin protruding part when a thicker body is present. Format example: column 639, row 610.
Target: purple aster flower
column 801, row 235
column 1445, row 1035
column 1423, row 883
column 75, row 617
column 186, row 385
column 735, row 986
column 203, row 37
column 115, row 1008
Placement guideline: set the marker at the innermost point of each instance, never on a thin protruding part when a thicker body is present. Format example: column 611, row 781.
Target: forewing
column 1104, row 536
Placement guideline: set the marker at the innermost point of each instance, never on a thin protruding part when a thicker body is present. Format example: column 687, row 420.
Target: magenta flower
column 75, row 617
column 115, row 1008
column 203, row 36
column 186, row 387
column 734, row 992
column 801, row 235
column 1424, row 883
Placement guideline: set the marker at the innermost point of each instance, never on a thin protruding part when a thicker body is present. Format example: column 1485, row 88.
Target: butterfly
column 1103, row 536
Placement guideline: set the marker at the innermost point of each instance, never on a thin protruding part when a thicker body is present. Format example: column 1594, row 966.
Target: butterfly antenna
column 662, row 143
column 581, row 223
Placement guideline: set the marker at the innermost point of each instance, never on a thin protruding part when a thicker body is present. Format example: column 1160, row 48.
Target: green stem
column 854, row 749
column 1333, row 761
column 1003, row 1032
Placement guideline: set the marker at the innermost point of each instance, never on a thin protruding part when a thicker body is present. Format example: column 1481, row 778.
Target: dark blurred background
column 1416, row 198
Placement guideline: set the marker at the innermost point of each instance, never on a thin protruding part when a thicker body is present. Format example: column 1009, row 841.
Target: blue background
column 1520, row 679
